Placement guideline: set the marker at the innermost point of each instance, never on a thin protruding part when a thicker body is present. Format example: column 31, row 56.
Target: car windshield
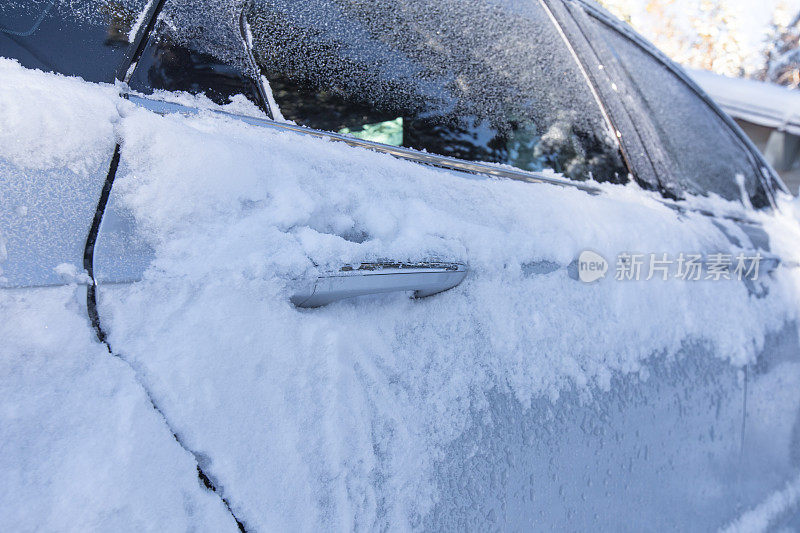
column 486, row 81
column 86, row 38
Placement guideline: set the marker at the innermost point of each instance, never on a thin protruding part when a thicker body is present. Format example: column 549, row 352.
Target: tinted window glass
column 703, row 153
column 169, row 65
column 86, row 39
column 484, row 81
column 197, row 46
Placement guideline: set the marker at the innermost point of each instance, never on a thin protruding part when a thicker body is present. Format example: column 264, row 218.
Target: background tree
column 740, row 38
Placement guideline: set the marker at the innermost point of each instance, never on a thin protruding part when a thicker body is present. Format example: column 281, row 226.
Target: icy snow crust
column 56, row 142
column 346, row 417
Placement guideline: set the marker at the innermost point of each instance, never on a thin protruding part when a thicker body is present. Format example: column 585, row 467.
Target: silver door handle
column 425, row 279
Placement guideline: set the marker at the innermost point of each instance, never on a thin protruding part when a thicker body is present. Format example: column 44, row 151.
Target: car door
column 421, row 134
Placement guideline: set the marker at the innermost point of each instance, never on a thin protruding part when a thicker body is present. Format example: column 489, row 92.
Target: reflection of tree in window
column 480, row 81
column 120, row 22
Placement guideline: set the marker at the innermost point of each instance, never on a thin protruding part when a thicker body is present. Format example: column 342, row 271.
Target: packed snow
column 380, row 412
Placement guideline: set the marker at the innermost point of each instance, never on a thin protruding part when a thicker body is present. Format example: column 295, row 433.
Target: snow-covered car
column 212, row 215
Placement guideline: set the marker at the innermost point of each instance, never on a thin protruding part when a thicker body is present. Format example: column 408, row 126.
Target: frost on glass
column 486, row 81
column 703, row 154
column 86, row 38
column 207, row 27
column 15, row 14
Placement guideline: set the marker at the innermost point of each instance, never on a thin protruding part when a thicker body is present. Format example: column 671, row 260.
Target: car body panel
column 58, row 140
column 521, row 398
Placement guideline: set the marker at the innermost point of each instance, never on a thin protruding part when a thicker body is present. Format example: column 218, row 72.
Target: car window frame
column 583, row 52
column 763, row 171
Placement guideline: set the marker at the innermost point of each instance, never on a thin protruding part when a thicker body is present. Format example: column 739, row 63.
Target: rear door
column 523, row 397
column 698, row 148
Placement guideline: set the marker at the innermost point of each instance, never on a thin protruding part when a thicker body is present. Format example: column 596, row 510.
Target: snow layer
column 758, row 102
column 335, row 418
column 341, row 417
column 764, row 516
column 81, row 447
column 56, row 142
column 49, row 121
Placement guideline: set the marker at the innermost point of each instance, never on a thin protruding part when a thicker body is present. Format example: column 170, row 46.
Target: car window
column 703, row 154
column 86, row 38
column 484, row 81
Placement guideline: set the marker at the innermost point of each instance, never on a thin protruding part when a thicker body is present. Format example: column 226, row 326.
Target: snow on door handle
column 425, row 279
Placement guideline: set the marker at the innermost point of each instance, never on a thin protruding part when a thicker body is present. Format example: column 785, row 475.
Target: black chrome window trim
column 645, row 171
column 135, row 49
column 164, row 107
column 244, row 33
column 601, row 104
